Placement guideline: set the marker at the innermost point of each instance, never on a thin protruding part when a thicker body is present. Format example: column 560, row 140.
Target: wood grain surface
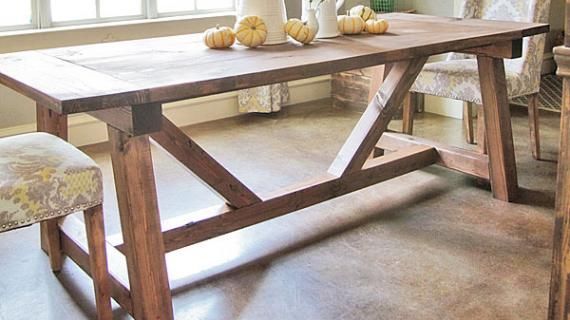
column 92, row 77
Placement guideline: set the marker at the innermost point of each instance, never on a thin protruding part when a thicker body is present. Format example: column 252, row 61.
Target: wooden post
column 140, row 224
column 502, row 164
column 559, row 288
column 56, row 124
column 533, row 123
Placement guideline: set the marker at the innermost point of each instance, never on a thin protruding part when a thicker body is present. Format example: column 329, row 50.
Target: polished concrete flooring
column 432, row 244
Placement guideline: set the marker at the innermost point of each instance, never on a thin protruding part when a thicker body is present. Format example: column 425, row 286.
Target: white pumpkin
column 379, row 26
column 251, row 31
column 300, row 31
column 366, row 13
column 350, row 24
column 219, row 37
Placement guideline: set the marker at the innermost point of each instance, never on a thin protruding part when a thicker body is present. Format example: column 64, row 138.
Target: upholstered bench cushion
column 459, row 79
column 42, row 177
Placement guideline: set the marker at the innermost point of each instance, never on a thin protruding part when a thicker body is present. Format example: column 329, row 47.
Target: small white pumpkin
column 379, row 26
column 300, row 31
column 366, row 13
column 350, row 24
column 219, row 37
column 251, row 31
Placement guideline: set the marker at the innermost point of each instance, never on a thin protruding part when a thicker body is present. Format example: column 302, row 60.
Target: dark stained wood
column 377, row 76
column 50, row 231
column 56, row 124
column 451, row 157
column 166, row 69
column 560, row 278
column 204, row 225
column 468, row 122
column 75, row 246
column 408, row 111
column 375, row 119
column 534, row 125
column 559, row 282
column 136, row 120
column 197, row 160
column 503, row 169
column 481, row 135
column 140, row 224
column 51, row 122
column 506, row 49
column 95, row 229
column 50, row 81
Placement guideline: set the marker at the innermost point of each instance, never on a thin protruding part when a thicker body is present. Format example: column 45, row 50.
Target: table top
column 156, row 70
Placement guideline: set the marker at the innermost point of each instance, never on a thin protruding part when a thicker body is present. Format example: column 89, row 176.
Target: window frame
column 28, row 26
column 41, row 15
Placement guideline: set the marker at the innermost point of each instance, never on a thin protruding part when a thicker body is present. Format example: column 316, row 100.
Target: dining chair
column 42, row 179
column 458, row 78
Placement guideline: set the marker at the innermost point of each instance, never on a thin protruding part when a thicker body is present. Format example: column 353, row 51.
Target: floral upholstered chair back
column 529, row 65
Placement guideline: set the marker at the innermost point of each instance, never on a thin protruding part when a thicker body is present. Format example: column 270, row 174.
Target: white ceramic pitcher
column 326, row 16
column 273, row 14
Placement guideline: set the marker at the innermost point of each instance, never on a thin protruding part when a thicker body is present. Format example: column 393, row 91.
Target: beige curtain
column 265, row 99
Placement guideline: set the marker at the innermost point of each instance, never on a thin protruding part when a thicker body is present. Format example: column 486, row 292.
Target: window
column 36, row 14
column 16, row 14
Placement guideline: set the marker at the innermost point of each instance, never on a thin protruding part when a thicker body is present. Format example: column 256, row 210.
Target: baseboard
column 86, row 130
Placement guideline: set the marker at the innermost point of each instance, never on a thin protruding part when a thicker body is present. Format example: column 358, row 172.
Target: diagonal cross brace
column 204, row 166
column 375, row 119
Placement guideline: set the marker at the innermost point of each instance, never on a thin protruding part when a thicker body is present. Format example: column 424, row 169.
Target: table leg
column 140, row 224
column 559, row 288
column 56, row 124
column 502, row 162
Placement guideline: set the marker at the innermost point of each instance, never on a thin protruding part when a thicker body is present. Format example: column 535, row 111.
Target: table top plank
column 179, row 67
column 49, row 80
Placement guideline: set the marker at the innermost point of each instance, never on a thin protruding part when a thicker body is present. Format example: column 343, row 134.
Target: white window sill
column 132, row 22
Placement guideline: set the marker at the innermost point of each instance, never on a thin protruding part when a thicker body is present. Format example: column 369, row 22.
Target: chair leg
column 533, row 121
column 481, row 135
column 53, row 242
column 98, row 261
column 408, row 108
column 468, row 122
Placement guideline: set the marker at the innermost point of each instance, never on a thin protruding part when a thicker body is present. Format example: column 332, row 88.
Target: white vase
column 311, row 19
column 273, row 14
column 327, row 17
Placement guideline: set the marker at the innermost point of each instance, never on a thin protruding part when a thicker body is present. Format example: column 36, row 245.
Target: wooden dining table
column 124, row 84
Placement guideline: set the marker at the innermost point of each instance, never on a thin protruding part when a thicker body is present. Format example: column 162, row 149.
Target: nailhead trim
column 53, row 214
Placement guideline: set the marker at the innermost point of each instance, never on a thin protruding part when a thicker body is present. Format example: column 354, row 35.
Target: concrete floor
column 428, row 245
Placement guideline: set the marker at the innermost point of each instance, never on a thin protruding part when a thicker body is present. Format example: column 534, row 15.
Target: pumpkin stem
column 218, row 27
column 348, row 12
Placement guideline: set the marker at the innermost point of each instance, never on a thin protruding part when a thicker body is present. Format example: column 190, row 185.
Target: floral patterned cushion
column 457, row 78
column 42, row 177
